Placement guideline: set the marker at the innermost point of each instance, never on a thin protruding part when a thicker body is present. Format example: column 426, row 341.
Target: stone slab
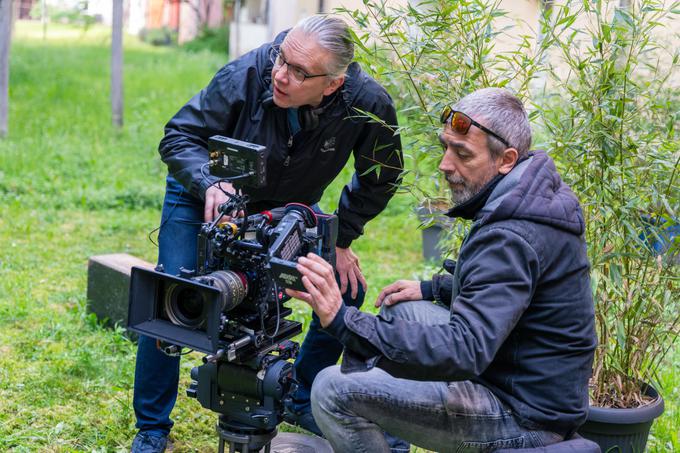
column 108, row 286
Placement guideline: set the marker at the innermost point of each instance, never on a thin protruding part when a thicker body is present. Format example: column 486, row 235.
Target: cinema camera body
column 231, row 306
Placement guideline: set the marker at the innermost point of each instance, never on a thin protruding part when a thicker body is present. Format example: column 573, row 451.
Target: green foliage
column 603, row 99
column 75, row 14
column 610, row 113
column 163, row 36
column 210, row 39
column 430, row 56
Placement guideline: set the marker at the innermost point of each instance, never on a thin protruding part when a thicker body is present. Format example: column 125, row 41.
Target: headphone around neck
column 308, row 116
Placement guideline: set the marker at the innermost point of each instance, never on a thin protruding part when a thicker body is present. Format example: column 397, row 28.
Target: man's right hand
column 399, row 291
column 214, row 197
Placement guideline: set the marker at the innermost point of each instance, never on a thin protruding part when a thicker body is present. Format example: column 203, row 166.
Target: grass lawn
column 71, row 187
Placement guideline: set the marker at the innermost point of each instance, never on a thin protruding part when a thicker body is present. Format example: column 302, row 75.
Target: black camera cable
column 165, row 220
column 179, row 197
column 278, row 312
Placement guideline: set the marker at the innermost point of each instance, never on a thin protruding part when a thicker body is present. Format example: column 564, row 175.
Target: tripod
column 242, row 438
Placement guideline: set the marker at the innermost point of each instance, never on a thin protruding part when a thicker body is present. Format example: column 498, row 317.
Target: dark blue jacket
column 522, row 317
column 237, row 103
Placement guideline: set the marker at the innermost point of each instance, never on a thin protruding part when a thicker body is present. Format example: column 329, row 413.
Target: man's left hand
column 347, row 266
column 323, row 294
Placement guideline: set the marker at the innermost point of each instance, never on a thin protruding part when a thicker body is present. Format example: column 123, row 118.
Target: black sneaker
column 304, row 419
column 149, row 443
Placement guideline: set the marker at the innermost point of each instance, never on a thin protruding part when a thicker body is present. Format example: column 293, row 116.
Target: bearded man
column 502, row 357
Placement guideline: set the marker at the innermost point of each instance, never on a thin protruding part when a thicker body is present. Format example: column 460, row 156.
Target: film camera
column 231, row 306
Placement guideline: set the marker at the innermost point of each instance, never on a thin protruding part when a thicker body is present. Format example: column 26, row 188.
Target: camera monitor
column 242, row 162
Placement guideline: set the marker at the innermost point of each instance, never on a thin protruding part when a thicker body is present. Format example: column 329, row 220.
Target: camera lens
column 233, row 285
column 189, row 306
column 184, row 306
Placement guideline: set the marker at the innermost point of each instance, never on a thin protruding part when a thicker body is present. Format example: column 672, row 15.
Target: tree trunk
column 117, row 64
column 5, row 39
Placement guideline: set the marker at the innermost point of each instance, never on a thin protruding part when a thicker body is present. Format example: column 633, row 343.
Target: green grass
column 71, row 186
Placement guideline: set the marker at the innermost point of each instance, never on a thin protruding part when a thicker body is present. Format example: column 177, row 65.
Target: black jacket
column 237, row 103
column 522, row 316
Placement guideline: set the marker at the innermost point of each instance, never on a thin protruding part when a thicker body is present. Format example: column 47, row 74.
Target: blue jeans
column 354, row 409
column 156, row 374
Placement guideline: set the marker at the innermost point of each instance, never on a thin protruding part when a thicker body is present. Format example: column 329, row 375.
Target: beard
column 461, row 189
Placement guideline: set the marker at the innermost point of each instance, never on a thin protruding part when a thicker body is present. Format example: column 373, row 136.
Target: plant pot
column 433, row 234
column 622, row 430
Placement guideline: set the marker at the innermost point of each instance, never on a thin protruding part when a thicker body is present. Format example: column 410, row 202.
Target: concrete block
column 108, row 285
column 300, row 443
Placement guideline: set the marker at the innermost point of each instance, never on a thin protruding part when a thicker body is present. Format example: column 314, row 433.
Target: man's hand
column 399, row 291
column 214, row 197
column 347, row 265
column 323, row 294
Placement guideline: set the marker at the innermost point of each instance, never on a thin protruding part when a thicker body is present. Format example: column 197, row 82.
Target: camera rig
column 231, row 306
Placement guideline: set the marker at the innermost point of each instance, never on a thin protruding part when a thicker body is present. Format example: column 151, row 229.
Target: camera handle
column 237, row 202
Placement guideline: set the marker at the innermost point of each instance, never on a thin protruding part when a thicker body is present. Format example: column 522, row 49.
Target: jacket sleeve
column 214, row 110
column 378, row 163
column 440, row 288
column 498, row 274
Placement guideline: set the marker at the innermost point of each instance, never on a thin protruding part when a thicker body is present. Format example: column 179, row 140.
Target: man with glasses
column 309, row 105
column 502, row 357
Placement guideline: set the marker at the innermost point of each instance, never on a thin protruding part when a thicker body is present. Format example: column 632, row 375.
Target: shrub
column 603, row 99
column 210, row 39
column 431, row 55
column 610, row 116
column 163, row 36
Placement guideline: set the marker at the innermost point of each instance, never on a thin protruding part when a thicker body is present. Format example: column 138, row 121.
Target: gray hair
column 503, row 113
column 333, row 35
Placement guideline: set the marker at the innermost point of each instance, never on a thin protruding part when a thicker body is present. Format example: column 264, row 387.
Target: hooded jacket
column 522, row 316
column 238, row 104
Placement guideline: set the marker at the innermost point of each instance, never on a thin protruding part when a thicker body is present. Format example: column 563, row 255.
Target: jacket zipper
column 290, row 144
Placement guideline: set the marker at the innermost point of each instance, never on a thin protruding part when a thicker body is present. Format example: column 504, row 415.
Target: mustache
column 453, row 179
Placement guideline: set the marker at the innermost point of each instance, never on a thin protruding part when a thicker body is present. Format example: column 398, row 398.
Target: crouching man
column 502, row 357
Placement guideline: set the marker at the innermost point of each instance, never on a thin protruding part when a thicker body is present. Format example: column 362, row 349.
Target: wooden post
column 237, row 31
column 5, row 39
column 43, row 18
column 117, row 64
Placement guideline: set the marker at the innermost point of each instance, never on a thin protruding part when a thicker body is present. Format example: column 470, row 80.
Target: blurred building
column 258, row 21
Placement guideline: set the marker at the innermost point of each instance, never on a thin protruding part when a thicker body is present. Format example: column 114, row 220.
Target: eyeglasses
column 461, row 123
column 294, row 72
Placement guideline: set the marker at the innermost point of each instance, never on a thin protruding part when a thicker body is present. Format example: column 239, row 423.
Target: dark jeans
column 156, row 374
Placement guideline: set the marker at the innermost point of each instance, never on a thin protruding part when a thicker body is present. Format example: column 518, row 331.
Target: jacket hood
column 534, row 191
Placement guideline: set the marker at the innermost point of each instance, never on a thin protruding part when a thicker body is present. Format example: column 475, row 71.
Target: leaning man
column 301, row 97
column 502, row 357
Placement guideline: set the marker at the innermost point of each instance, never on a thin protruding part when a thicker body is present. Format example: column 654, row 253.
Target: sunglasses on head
column 461, row 123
